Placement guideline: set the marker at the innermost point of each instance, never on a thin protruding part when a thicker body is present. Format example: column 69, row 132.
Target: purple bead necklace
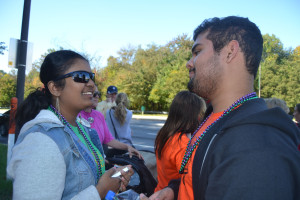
column 65, row 122
column 189, row 150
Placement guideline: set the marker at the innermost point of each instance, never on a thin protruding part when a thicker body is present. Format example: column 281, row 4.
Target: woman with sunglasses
column 95, row 119
column 56, row 157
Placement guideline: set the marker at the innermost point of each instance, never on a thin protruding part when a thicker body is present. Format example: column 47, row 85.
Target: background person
column 96, row 120
column 110, row 101
column 118, row 121
column 185, row 114
column 297, row 114
column 55, row 157
column 276, row 102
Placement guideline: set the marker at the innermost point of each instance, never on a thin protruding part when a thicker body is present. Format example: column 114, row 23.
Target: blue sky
column 101, row 28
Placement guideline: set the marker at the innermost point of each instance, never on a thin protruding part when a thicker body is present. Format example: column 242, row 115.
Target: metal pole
column 22, row 52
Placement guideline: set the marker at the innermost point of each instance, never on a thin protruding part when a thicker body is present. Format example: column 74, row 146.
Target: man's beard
column 191, row 85
column 207, row 84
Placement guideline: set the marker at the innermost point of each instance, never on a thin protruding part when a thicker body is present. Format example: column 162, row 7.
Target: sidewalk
column 149, row 117
column 3, row 111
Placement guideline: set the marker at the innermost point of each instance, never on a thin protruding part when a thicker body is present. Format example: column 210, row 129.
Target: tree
column 2, row 73
column 8, row 88
column 172, row 74
column 150, row 76
column 273, row 49
column 280, row 71
column 2, row 48
column 32, row 80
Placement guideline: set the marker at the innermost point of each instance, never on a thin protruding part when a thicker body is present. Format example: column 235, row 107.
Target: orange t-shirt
column 186, row 185
column 171, row 156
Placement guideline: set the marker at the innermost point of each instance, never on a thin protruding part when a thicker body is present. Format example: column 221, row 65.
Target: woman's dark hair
column 183, row 117
column 55, row 64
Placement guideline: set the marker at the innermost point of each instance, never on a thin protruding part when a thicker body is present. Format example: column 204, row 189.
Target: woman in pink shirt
column 95, row 119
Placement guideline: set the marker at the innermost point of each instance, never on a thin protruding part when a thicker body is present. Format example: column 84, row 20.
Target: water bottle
column 111, row 195
column 128, row 195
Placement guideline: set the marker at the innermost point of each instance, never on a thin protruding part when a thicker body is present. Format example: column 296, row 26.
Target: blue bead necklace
column 190, row 148
column 65, row 122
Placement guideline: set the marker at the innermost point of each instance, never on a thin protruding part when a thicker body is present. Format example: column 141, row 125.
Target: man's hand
column 164, row 194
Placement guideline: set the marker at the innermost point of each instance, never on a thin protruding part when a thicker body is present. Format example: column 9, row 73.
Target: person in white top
column 110, row 101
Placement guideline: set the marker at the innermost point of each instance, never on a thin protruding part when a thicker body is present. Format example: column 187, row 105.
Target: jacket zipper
column 206, row 153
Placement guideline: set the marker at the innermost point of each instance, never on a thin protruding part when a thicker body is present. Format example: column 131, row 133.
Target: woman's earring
column 57, row 105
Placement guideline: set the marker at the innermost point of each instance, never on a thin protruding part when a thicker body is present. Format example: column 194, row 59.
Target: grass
column 5, row 186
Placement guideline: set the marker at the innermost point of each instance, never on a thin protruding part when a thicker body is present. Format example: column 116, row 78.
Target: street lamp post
column 22, row 52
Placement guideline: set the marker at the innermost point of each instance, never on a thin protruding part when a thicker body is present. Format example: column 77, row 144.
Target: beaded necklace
column 65, row 122
column 189, row 150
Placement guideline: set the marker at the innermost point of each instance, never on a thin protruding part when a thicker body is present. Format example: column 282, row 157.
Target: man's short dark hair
column 224, row 30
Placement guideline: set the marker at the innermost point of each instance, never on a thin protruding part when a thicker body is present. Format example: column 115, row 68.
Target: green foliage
column 273, row 49
column 172, row 74
column 152, row 76
column 8, row 88
column 32, row 81
column 2, row 48
column 280, row 72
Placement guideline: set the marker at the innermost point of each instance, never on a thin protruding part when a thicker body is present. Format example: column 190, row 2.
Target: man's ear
column 232, row 49
column 54, row 90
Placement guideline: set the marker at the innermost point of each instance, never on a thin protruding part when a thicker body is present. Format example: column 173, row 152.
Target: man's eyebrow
column 194, row 47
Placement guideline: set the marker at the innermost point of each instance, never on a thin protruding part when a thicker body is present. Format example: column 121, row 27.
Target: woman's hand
column 106, row 182
column 133, row 151
column 120, row 145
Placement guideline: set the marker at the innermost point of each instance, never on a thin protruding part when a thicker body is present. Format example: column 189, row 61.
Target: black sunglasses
column 78, row 76
column 97, row 94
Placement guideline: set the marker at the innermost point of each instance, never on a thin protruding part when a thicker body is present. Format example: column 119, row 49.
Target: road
column 144, row 133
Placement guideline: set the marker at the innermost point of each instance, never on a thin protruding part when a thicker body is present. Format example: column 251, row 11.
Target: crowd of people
column 220, row 141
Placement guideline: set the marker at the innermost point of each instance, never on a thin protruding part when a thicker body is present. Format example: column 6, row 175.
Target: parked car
column 4, row 123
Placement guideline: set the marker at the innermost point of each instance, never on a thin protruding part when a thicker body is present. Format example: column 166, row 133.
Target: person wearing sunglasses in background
column 56, row 157
column 96, row 120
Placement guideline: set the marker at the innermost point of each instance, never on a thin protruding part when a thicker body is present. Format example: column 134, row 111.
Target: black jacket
column 251, row 154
